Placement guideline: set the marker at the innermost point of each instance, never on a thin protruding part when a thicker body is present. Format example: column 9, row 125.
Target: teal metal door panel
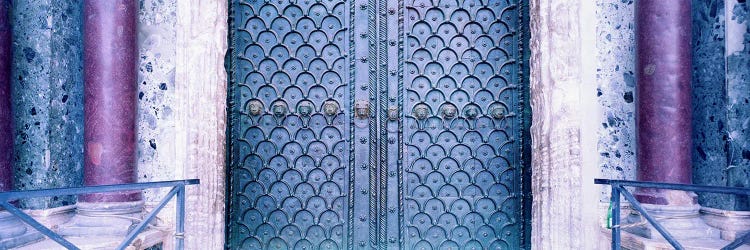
column 462, row 130
column 363, row 124
column 290, row 128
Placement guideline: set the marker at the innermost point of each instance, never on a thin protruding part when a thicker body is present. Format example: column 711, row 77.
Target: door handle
column 362, row 109
column 279, row 109
column 331, row 108
column 255, row 107
column 393, row 114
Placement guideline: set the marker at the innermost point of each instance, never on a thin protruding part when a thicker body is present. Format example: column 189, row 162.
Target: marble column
column 47, row 90
column 710, row 121
column 110, row 75
column 6, row 115
column 663, row 115
column 664, row 118
column 737, row 58
column 727, row 66
column 12, row 231
column 111, row 59
column 200, row 117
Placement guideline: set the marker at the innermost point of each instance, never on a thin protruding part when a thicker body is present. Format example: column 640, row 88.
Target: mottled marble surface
column 48, row 82
column 721, row 89
column 738, row 100
column 616, row 89
column 721, row 105
column 156, row 93
column 709, row 119
column 47, row 90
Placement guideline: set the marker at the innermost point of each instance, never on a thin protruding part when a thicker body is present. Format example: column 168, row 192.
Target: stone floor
column 146, row 240
column 635, row 242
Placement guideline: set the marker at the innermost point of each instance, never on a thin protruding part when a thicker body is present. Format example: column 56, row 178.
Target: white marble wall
column 201, row 87
column 565, row 115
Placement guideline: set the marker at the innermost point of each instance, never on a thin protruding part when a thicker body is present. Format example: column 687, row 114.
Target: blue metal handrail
column 618, row 188
column 178, row 189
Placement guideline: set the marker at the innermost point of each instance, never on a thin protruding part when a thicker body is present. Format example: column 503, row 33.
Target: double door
column 362, row 124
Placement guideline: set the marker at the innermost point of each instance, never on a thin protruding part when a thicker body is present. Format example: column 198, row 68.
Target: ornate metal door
column 361, row 124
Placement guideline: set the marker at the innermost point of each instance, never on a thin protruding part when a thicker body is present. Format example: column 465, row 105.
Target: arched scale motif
column 289, row 184
column 376, row 124
column 462, row 162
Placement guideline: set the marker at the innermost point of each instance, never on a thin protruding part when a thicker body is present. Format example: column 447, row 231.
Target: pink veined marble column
column 110, row 68
column 663, row 106
column 6, row 116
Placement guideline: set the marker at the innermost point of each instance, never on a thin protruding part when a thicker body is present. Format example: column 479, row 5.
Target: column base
column 732, row 224
column 682, row 222
column 15, row 233
column 103, row 219
column 634, row 242
column 53, row 217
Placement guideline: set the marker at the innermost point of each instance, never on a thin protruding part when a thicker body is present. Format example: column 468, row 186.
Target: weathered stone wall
column 721, row 90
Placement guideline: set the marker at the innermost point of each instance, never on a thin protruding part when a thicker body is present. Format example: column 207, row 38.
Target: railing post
column 615, row 199
column 180, row 224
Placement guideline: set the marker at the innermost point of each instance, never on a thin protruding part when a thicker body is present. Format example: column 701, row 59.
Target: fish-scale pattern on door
column 461, row 125
column 289, row 180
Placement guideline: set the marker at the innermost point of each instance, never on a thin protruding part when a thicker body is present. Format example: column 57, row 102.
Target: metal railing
column 618, row 189
column 178, row 189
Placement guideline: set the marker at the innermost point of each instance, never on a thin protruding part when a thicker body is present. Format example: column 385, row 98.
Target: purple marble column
column 663, row 116
column 110, row 68
column 6, row 116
